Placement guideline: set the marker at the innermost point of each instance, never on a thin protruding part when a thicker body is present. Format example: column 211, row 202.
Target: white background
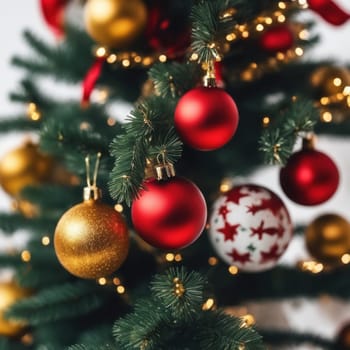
column 19, row 14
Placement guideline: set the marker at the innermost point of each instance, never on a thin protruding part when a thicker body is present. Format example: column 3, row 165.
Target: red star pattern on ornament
column 223, row 211
column 260, row 230
column 237, row 257
column 235, row 196
column 280, row 231
column 272, row 254
column 266, row 204
column 229, row 231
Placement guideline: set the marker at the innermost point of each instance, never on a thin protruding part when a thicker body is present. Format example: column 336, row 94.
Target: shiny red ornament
column 53, row 13
column 206, row 118
column 167, row 29
column 329, row 11
column 309, row 178
column 169, row 214
column 278, row 38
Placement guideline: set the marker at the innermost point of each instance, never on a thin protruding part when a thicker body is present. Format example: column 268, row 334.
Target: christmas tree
column 145, row 229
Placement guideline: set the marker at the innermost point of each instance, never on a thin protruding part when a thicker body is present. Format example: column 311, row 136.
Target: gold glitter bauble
column 328, row 238
column 24, row 166
column 10, row 293
column 91, row 240
column 115, row 23
column 329, row 81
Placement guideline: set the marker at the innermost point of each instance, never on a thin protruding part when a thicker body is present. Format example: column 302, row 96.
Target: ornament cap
column 92, row 192
column 209, row 78
column 164, row 171
column 309, row 142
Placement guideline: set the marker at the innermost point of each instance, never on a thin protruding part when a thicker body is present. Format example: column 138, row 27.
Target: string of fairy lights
column 252, row 71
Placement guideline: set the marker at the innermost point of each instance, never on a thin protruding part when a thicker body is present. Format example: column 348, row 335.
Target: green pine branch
column 277, row 142
column 93, row 347
column 172, row 318
column 11, row 222
column 209, row 24
column 148, row 130
column 20, row 122
column 58, row 302
column 171, row 80
column 58, row 60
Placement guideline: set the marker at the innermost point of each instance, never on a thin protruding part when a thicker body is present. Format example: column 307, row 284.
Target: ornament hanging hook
column 92, row 191
column 88, row 173
column 210, row 78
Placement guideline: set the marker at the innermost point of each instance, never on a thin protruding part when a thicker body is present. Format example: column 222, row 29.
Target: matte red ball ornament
column 167, row 29
column 277, row 39
column 169, row 214
column 250, row 228
column 206, row 118
column 310, row 177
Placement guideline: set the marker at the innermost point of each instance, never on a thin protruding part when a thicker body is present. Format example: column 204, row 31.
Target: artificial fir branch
column 30, row 93
column 166, row 146
column 30, row 276
column 93, row 347
column 171, row 80
column 99, row 336
column 11, row 222
column 8, row 124
column 181, row 292
column 128, row 172
column 51, row 200
column 177, row 297
column 58, row 59
column 148, row 128
column 277, row 142
column 58, row 302
column 6, row 344
column 222, row 331
column 208, row 24
column 141, row 329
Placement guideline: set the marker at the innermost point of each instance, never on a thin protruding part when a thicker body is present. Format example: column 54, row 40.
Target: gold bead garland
column 131, row 59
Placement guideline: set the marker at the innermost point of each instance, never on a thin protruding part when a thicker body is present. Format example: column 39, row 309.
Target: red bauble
column 53, row 13
column 169, row 214
column 166, row 30
column 310, row 177
column 206, row 118
column 279, row 38
column 329, row 11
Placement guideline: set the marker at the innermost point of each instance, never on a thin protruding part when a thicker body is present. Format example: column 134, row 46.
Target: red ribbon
column 90, row 79
column 329, row 11
column 218, row 74
column 53, row 13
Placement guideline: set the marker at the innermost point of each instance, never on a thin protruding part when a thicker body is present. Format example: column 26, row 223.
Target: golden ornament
column 115, row 23
column 10, row 293
column 24, row 166
column 328, row 238
column 329, row 81
column 91, row 239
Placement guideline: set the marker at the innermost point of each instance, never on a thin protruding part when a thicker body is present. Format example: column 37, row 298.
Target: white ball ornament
column 250, row 228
